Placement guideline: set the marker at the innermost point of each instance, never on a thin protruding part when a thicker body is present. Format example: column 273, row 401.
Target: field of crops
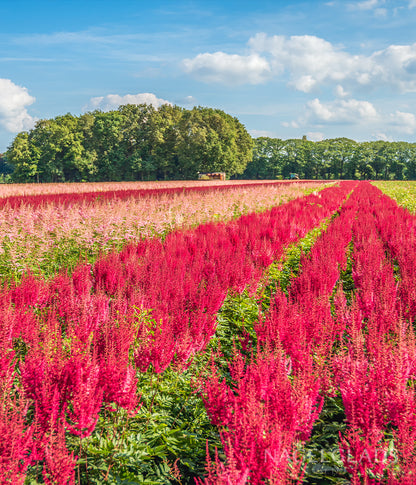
column 240, row 334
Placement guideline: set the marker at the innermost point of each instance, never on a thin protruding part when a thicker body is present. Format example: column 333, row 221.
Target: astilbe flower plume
column 86, row 396
column 16, row 443
column 44, row 380
column 262, row 415
column 117, row 377
column 59, row 466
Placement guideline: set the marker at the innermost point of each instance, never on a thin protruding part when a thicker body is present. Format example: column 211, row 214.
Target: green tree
column 23, row 158
column 267, row 160
column 208, row 141
column 107, row 137
column 165, row 128
column 363, row 161
column 340, row 152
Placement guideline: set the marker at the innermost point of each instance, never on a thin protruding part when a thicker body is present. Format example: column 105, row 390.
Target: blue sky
column 286, row 69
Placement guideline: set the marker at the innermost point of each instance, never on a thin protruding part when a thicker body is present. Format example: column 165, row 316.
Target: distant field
column 57, row 228
column 7, row 190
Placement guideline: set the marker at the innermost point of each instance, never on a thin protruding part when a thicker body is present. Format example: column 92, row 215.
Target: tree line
column 134, row 142
column 337, row 158
column 141, row 142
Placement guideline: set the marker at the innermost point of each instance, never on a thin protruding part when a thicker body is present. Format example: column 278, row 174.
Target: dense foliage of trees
column 338, row 158
column 134, row 142
column 140, row 142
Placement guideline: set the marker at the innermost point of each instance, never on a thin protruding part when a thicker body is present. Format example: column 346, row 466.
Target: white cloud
column 312, row 61
column 365, row 5
column 315, row 135
column 360, row 114
column 13, row 102
column 404, row 122
column 259, row 133
column 383, row 136
column 340, row 111
column 113, row 101
column 290, row 124
column 309, row 62
column 340, row 91
column 228, row 69
column 412, row 3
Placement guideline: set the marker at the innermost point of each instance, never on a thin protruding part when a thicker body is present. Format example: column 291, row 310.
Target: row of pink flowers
column 24, row 190
column 31, row 235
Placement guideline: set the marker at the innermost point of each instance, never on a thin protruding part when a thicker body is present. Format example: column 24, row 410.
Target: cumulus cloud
column 355, row 112
column 340, row 111
column 309, row 62
column 13, row 102
column 228, row 68
column 340, row 91
column 404, row 122
column 312, row 61
column 113, row 101
column 315, row 135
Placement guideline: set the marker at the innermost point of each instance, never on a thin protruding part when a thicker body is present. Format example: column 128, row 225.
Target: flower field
column 254, row 334
column 70, row 222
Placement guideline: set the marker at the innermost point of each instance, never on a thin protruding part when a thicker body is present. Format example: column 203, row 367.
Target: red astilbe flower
column 156, row 347
column 7, row 373
column 45, row 382
column 119, row 384
column 185, row 279
column 405, row 440
column 117, row 377
column 30, row 292
column 59, row 466
column 263, row 415
column 365, row 456
column 220, row 474
column 16, row 439
column 86, row 395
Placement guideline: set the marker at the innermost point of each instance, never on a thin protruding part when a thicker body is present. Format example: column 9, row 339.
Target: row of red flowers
column 73, row 346
column 313, row 345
